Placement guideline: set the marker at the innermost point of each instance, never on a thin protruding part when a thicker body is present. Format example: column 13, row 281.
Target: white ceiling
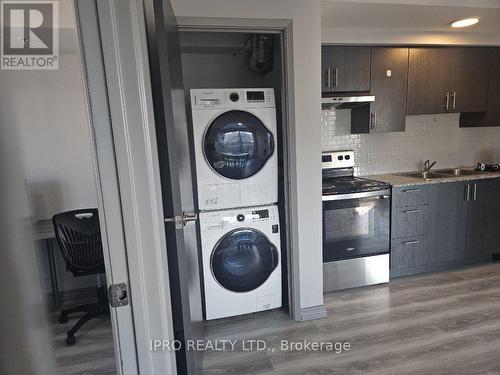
column 418, row 18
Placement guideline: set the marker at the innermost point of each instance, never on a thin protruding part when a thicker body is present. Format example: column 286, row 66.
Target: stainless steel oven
column 356, row 226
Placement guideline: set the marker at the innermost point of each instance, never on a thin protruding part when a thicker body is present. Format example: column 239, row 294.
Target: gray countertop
column 396, row 179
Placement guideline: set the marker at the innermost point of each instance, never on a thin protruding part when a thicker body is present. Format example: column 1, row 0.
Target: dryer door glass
column 243, row 260
column 237, row 145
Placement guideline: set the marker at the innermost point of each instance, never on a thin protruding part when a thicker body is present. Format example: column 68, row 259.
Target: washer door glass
column 237, row 145
column 243, row 260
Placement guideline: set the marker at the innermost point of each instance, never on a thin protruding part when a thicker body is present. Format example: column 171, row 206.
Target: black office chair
column 79, row 238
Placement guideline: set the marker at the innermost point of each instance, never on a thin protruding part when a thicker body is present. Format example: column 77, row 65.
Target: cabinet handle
column 454, row 100
column 411, row 242
column 373, row 120
column 336, row 83
column 411, row 211
column 411, row 191
column 467, row 193
column 474, row 193
column 447, row 101
column 328, row 77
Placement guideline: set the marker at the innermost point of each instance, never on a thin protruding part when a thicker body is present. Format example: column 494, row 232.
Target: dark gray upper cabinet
column 492, row 115
column 448, row 80
column 326, row 69
column 429, row 77
column 469, row 86
column 389, row 82
column 345, row 69
column 493, row 112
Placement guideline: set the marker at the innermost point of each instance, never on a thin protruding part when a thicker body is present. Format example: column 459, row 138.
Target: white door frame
column 283, row 27
column 118, row 92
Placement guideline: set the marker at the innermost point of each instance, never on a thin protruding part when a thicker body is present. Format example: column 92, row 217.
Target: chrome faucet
column 428, row 165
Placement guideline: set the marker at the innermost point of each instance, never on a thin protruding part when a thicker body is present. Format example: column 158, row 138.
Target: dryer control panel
column 239, row 217
column 232, row 98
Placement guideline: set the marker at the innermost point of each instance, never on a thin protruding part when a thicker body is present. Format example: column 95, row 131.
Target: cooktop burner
column 351, row 184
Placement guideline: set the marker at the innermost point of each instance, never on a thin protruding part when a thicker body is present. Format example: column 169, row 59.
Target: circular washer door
column 237, row 144
column 243, row 260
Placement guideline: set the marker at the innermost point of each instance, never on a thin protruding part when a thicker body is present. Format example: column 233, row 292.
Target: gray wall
column 306, row 151
column 213, row 52
column 434, row 137
column 48, row 110
column 24, row 326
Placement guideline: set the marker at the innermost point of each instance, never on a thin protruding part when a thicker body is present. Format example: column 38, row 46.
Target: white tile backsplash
column 434, row 137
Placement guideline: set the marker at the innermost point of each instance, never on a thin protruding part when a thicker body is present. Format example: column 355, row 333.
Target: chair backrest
column 79, row 238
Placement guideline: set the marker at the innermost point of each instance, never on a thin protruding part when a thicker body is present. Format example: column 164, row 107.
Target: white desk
column 43, row 230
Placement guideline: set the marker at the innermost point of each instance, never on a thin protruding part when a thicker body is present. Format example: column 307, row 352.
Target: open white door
column 131, row 62
column 107, row 182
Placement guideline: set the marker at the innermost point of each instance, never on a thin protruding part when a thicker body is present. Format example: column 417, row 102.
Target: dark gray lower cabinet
column 411, row 252
column 436, row 225
column 483, row 218
column 448, row 220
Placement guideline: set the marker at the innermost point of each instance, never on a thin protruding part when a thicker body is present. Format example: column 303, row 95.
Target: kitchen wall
column 434, row 137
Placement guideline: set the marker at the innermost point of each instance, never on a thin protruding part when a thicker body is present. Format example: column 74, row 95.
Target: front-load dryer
column 235, row 147
column 241, row 258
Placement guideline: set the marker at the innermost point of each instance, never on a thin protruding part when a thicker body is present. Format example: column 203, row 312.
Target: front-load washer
column 241, row 258
column 235, row 146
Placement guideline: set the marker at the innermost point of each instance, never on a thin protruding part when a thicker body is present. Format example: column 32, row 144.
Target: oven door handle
column 379, row 194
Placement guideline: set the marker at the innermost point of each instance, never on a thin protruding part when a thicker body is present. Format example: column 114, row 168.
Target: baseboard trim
column 313, row 313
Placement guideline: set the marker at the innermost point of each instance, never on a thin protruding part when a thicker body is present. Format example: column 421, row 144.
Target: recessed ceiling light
column 464, row 22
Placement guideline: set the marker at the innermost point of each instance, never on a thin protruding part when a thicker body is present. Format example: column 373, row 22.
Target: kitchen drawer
column 411, row 252
column 411, row 195
column 410, row 221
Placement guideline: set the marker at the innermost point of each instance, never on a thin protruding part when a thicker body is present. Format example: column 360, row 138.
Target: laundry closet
column 234, row 89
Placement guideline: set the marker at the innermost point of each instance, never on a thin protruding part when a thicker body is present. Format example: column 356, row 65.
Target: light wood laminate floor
column 93, row 353
column 442, row 323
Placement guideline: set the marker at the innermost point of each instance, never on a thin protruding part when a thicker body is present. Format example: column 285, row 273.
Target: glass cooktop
column 351, row 184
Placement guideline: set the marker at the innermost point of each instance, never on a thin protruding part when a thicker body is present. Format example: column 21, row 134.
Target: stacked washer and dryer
column 235, row 146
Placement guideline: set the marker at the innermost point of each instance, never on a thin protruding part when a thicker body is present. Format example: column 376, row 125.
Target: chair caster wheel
column 63, row 319
column 70, row 340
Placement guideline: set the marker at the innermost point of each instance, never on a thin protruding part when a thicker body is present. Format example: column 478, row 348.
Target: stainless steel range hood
column 346, row 102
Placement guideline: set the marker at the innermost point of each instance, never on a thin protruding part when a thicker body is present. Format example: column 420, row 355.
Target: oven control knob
column 240, row 217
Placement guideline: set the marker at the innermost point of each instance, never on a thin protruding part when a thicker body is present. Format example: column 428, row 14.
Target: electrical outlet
column 369, row 157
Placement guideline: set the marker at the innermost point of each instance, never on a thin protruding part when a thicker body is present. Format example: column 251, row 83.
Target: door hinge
column 118, row 295
column 181, row 220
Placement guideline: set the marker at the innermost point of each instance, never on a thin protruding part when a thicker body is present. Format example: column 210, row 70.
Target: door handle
column 336, row 83
column 181, row 220
column 474, row 193
column 329, row 77
column 447, row 100
column 411, row 211
column 467, row 193
column 454, row 100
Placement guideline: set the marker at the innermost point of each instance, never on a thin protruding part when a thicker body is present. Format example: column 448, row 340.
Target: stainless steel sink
column 425, row 175
column 456, row 172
